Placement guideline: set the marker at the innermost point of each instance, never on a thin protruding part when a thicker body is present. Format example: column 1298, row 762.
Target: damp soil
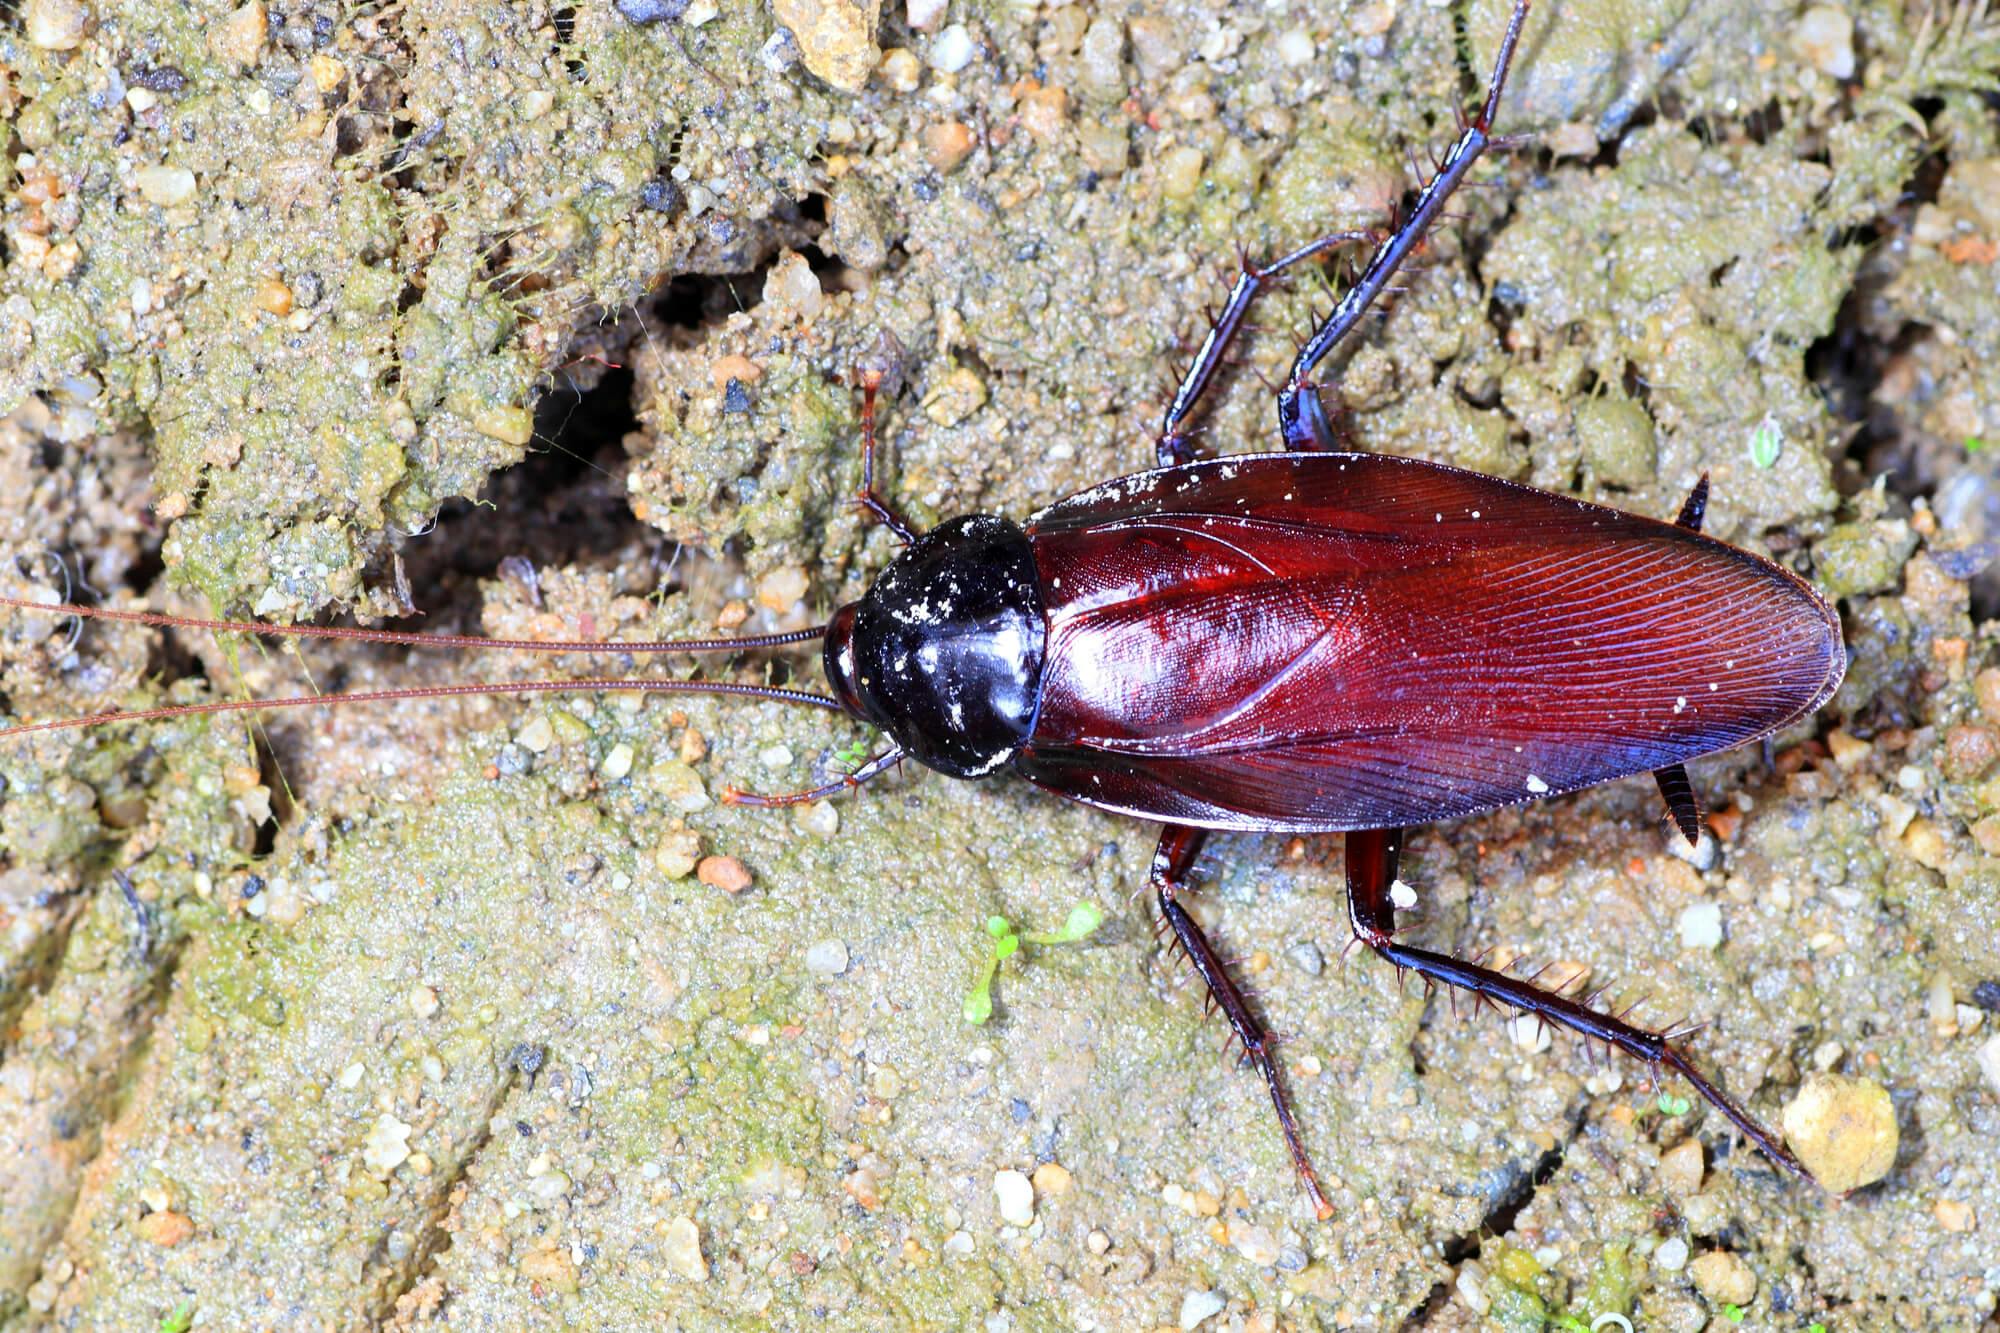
column 544, row 320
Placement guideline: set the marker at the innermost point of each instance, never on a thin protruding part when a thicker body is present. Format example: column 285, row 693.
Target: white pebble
column 1824, row 37
column 952, row 51
column 819, row 818
column 1672, row 1257
column 775, row 757
column 1295, row 47
column 618, row 763
column 537, row 736
column 828, row 958
column 1529, row 1033
column 1402, row 895
column 683, row 1250
column 1701, row 926
column 925, row 15
column 1989, row 1063
column 165, row 186
column 1197, row 1306
column 1016, row 1194
column 1536, row 785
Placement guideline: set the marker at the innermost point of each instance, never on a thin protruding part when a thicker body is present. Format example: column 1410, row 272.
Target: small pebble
column 1843, row 1129
column 1296, row 47
column 423, row 1001
column 239, row 38
column 1988, row 1059
column 1306, row 957
column 56, row 25
column 1180, row 172
column 683, row 1250
column 273, row 297
column 1198, row 1306
column 1255, row 1243
column 1051, row 1180
column 777, row 758
column 1824, row 39
column 1953, row 1215
column 1681, row 1168
column 947, row 145
column 164, row 1229
column 387, row 1145
column 1724, row 1278
column 900, row 70
column 1402, row 895
column 828, row 958
column 1848, row 751
column 537, row 736
column 925, row 15
column 1672, row 1256
column 821, row 818
column 639, row 12
column 165, row 186
column 1701, row 926
column 952, row 50
column 1097, row 1242
column 793, row 291
column 784, row 587
column 1016, row 1196
column 723, row 872
column 779, row 52
column 618, row 763
column 1529, row 1033
column 677, row 854
column 1702, row 853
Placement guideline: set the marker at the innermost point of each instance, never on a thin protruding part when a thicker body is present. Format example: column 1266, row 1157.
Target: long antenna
column 434, row 692
column 414, row 640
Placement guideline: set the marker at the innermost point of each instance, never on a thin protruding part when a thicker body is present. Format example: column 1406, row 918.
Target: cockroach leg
column 1371, row 868
column 869, row 498
column 1300, row 417
column 1675, row 788
column 1681, row 801
column 1172, row 446
column 1179, row 845
column 1695, row 507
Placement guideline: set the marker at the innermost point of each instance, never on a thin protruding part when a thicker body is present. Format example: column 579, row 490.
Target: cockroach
column 1305, row 641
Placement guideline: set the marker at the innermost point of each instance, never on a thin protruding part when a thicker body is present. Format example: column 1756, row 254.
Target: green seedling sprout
column 1672, row 1104
column 1765, row 444
column 855, row 753
column 1003, row 943
column 1733, row 1313
column 1974, row 443
column 180, row 1320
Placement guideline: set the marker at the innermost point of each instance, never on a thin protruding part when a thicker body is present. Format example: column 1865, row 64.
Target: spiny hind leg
column 1371, row 870
column 1179, row 846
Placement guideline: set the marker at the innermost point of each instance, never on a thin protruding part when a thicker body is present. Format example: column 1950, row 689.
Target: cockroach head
column 945, row 651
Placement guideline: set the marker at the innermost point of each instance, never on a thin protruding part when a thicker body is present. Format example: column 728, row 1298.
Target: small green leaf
column 978, row 1006
column 180, row 1320
column 1973, row 444
column 1733, row 1313
column 999, row 926
column 1765, row 443
column 1005, row 947
column 1673, row 1105
column 1083, row 919
column 1815, row 1327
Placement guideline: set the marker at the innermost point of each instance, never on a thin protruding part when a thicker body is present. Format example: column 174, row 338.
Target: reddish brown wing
column 1336, row 641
